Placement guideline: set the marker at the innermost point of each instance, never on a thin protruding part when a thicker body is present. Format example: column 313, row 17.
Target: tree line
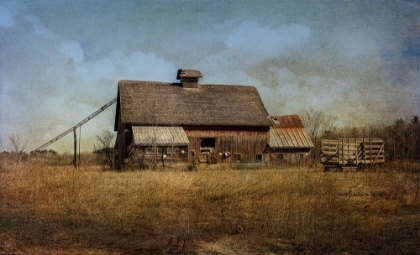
column 401, row 137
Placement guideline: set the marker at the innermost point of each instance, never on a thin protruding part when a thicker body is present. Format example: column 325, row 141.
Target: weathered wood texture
column 163, row 153
column 284, row 158
column 231, row 119
column 249, row 143
column 352, row 151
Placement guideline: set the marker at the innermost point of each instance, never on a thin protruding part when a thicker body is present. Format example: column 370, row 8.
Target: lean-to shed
column 196, row 123
column 289, row 142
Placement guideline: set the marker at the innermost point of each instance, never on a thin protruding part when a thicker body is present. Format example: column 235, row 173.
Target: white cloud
column 251, row 35
column 137, row 65
column 39, row 28
column 249, row 44
column 237, row 77
column 47, row 78
column 263, row 42
column 60, row 71
column 72, row 50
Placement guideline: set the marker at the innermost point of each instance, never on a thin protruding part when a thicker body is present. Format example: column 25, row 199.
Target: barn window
column 207, row 144
column 258, row 157
column 299, row 156
column 237, row 157
column 280, row 156
column 172, row 150
column 153, row 150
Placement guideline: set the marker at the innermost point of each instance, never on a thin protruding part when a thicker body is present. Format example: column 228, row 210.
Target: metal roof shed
column 159, row 136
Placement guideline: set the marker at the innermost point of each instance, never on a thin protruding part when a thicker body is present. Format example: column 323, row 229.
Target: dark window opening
column 280, row 156
column 299, row 156
column 207, row 145
column 258, row 157
column 236, row 157
column 208, row 142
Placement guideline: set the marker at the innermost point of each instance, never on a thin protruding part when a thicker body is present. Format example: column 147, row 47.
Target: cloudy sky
column 61, row 60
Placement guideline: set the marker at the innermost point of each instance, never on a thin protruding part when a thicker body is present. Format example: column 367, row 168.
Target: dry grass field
column 49, row 209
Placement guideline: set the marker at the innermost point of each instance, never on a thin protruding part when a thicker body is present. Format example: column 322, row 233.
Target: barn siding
column 289, row 158
column 123, row 141
column 228, row 141
column 161, row 153
column 248, row 142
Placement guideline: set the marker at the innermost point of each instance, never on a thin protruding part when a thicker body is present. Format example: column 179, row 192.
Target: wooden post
column 364, row 151
column 356, row 151
column 342, row 151
column 75, row 149
column 370, row 151
column 80, row 142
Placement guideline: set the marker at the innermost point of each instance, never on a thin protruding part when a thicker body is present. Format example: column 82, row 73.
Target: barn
column 191, row 122
column 289, row 143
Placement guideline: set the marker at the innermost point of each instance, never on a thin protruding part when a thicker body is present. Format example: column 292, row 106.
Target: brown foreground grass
column 58, row 210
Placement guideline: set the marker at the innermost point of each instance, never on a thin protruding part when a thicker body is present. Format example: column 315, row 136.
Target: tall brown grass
column 265, row 211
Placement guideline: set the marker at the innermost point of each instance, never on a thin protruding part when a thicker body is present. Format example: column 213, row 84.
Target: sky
column 60, row 60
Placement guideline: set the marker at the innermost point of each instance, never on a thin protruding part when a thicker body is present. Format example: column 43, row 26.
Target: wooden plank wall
column 360, row 150
column 291, row 158
column 248, row 143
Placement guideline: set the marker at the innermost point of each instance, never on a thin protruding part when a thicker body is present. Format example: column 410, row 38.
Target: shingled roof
column 164, row 103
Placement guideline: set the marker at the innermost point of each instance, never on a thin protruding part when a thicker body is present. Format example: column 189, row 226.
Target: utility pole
column 75, row 149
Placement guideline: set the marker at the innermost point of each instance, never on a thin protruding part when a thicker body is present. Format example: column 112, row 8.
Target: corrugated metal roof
column 159, row 136
column 288, row 121
column 289, row 132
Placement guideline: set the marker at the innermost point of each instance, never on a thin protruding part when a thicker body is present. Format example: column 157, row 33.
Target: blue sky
column 61, row 60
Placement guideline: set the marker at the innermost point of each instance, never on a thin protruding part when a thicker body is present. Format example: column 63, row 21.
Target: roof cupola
column 189, row 78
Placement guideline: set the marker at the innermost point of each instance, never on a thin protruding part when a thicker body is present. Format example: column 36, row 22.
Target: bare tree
column 17, row 145
column 152, row 140
column 104, row 149
column 317, row 124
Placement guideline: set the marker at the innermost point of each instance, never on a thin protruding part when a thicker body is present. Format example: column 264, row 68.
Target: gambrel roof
column 289, row 132
column 171, row 104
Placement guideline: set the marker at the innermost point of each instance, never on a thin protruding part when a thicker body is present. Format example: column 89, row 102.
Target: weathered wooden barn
column 192, row 122
column 289, row 143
